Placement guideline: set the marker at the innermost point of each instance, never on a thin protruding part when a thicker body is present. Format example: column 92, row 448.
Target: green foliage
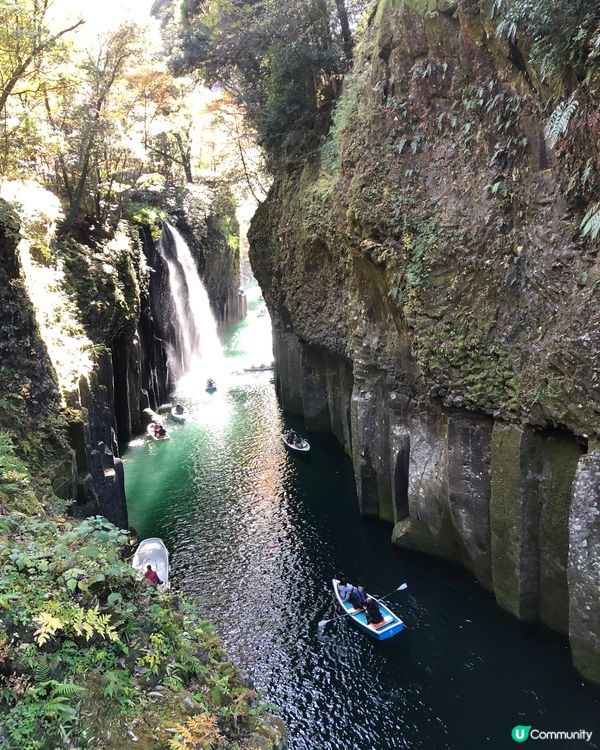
column 280, row 60
column 14, row 473
column 561, row 34
column 559, row 120
column 591, row 221
column 86, row 642
column 146, row 215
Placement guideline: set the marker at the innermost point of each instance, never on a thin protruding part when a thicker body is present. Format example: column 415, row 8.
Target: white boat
column 151, row 432
column 303, row 447
column 153, row 552
column 179, row 416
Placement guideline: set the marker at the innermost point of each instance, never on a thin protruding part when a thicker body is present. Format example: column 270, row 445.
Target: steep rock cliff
column 436, row 308
column 81, row 359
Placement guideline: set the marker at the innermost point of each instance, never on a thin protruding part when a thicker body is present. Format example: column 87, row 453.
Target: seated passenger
column 161, row 432
column 345, row 589
column 374, row 616
column 179, row 409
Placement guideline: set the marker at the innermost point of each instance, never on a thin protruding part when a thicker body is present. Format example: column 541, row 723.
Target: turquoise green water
column 256, row 535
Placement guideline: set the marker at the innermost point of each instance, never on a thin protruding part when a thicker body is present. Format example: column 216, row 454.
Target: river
column 256, row 535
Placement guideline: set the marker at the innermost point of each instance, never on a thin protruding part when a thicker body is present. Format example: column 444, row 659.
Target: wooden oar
column 322, row 623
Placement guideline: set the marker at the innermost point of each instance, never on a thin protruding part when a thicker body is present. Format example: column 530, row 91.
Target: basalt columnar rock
column 436, row 307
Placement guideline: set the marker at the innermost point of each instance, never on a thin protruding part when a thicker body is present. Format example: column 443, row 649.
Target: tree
column 24, row 41
column 29, row 54
column 281, row 61
column 91, row 126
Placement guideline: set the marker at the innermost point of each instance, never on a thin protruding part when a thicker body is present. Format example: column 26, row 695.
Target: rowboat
column 390, row 626
column 150, row 430
column 262, row 368
column 179, row 416
column 304, row 446
column 153, row 552
column 211, row 388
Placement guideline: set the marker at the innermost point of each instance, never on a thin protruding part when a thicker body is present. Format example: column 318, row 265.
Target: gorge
column 427, row 184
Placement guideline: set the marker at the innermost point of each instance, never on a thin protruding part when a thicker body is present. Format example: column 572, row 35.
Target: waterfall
column 194, row 350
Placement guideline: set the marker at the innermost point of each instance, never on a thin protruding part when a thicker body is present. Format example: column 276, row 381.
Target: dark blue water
column 257, row 534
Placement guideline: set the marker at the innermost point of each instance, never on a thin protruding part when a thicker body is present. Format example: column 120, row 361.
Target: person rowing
column 358, row 597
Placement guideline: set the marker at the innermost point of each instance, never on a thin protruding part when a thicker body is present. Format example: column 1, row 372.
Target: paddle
column 322, row 623
column 401, row 587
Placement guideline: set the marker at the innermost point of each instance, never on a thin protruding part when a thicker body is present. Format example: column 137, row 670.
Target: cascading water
column 194, row 350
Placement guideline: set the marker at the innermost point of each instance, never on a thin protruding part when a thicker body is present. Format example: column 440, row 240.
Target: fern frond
column 508, row 29
column 41, row 672
column 591, row 221
column 559, row 120
column 587, row 170
column 66, row 689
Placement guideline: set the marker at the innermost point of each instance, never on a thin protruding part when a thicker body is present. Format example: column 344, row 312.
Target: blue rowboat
column 210, row 388
column 390, row 626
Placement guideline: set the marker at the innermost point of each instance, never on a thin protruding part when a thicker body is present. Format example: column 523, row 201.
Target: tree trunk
column 345, row 25
column 186, row 161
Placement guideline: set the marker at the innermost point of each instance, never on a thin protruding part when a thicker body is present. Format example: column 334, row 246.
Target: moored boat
column 390, row 626
column 302, row 446
column 260, row 368
column 154, row 553
column 152, row 431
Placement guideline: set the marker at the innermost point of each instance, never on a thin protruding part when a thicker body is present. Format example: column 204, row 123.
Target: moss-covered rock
column 431, row 246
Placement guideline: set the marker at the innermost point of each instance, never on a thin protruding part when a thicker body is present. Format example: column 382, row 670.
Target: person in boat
column 179, row 409
column 358, row 597
column 210, row 383
column 160, row 432
column 345, row 589
column 293, row 438
column 152, row 576
column 374, row 616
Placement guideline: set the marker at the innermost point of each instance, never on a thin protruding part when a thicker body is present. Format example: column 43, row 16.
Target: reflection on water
column 257, row 534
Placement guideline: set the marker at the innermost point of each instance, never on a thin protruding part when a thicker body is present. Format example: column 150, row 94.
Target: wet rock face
column 436, row 308
column 584, row 567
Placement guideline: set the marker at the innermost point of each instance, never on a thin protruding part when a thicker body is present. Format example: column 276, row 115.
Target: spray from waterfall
column 194, row 350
